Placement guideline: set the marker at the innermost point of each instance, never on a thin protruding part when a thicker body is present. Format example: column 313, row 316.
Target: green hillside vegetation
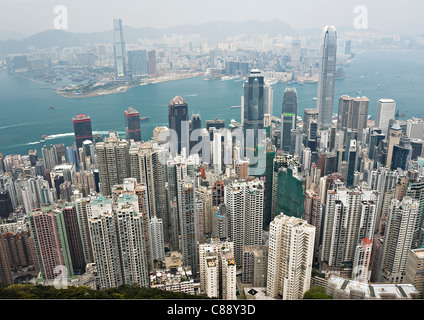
column 30, row 291
column 316, row 293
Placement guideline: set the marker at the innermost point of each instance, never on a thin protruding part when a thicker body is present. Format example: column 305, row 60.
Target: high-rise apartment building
column 255, row 265
column 326, row 82
column 186, row 208
column 398, row 237
column 217, row 269
column 51, row 242
column 415, row 270
column 244, row 205
column 290, row 257
column 361, row 262
column 112, row 156
column 119, row 250
column 350, row 215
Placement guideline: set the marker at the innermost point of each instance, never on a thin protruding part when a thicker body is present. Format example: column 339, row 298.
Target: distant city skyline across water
column 25, row 116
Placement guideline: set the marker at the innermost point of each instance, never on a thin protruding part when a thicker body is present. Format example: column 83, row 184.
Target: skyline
column 29, row 17
column 236, row 200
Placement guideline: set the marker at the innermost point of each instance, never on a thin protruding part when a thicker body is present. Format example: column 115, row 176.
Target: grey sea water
column 25, row 116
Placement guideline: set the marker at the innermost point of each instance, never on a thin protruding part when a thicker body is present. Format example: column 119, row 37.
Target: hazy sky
column 32, row 16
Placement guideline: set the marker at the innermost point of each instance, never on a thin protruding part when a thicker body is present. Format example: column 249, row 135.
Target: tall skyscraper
column 112, row 158
column 289, row 104
column 291, row 249
column 326, row 80
column 361, row 262
column 119, row 49
column 398, row 237
column 82, row 129
column 244, row 205
column 132, row 124
column 344, row 227
column 6, row 207
column 186, row 203
column 353, row 114
column 119, row 250
column 147, row 163
column 253, row 109
column 151, row 58
column 288, row 123
column 395, row 134
column 137, row 63
column 51, row 242
column 268, row 99
column 179, row 123
column 351, row 168
column 217, row 269
column 384, row 112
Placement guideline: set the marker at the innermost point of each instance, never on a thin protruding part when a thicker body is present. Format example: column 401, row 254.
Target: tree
column 316, row 293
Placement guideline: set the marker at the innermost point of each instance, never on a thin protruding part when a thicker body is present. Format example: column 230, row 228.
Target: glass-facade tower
column 327, row 76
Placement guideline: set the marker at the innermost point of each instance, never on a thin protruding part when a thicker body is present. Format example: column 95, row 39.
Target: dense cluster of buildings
column 268, row 203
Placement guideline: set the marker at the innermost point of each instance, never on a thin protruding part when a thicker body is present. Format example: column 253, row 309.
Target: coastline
column 120, row 87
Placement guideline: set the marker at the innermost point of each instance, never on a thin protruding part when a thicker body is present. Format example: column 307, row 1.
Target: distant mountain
column 215, row 30
column 11, row 35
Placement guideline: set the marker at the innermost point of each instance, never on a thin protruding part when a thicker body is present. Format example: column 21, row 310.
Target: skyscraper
column 395, row 134
column 244, row 205
column 398, row 238
column 288, row 123
column 119, row 250
column 253, row 109
column 82, row 129
column 112, row 162
column 289, row 104
column 119, row 49
column 137, row 63
column 179, row 123
column 186, row 202
column 326, row 80
column 132, row 124
column 291, row 248
column 350, row 216
column 51, row 242
column 384, row 112
column 353, row 114
column 151, row 58
column 217, row 269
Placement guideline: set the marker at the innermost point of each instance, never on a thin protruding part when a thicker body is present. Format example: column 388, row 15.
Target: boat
column 315, row 98
column 235, row 107
column 44, row 136
column 50, row 107
column 144, row 118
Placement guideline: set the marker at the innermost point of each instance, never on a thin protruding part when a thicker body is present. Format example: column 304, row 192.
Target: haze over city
column 26, row 17
column 231, row 153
